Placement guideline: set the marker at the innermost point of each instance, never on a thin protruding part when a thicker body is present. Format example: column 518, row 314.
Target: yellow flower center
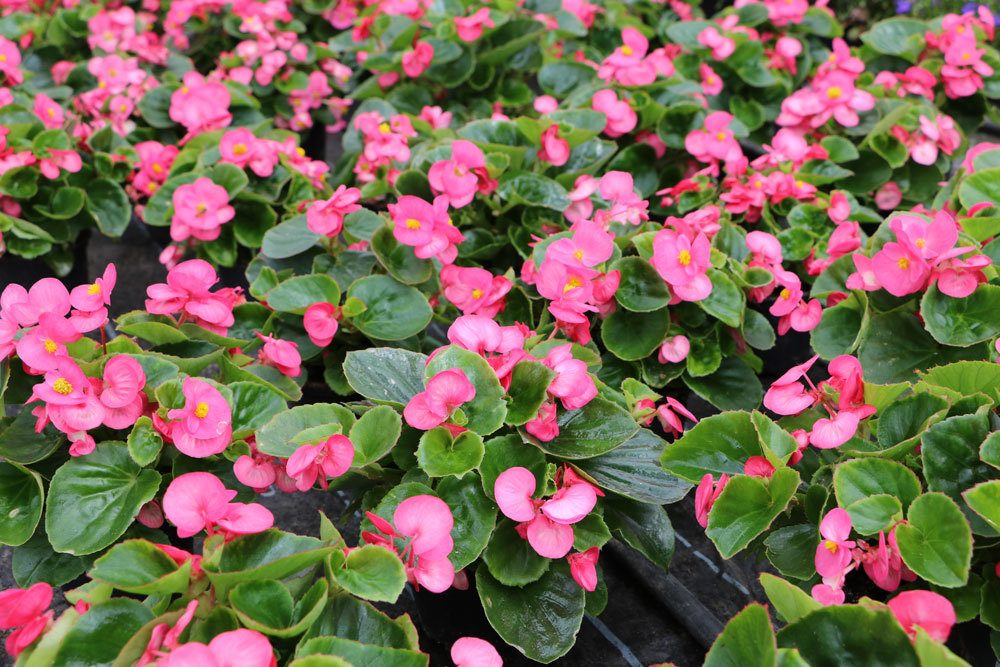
column 758, row 184
column 152, row 187
column 51, row 112
column 579, row 255
column 920, row 243
column 450, row 221
column 721, row 136
column 50, row 346
column 185, row 90
column 157, row 168
column 201, row 410
column 966, row 55
column 384, row 128
column 62, row 386
column 626, row 50
column 101, row 84
column 240, row 149
column 301, row 152
column 200, row 208
column 459, row 171
column 412, row 223
column 123, row 108
column 786, row 294
column 94, row 289
column 572, row 283
column 903, row 263
column 834, row 93
column 799, row 183
column 830, row 546
column 832, row 58
column 3, row 58
column 113, row 72
column 684, row 258
column 477, row 293
column 710, row 80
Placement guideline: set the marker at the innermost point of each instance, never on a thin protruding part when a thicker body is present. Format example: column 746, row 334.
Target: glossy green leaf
column 278, row 436
column 747, row 507
column 299, row 292
column 644, row 527
column 965, row 321
column 102, row 632
column 144, row 443
column 528, row 389
column 440, row 455
column 475, row 517
column 138, row 566
column 633, row 470
column 634, row 335
column 271, row 554
column 267, row 606
column 510, row 559
column 850, row 635
column 718, row 444
column 936, row 541
column 597, row 428
column 386, row 374
column 733, row 387
column 790, row 601
column 641, row 288
column 375, row 434
column 21, row 499
column 392, row 311
column 984, row 499
column 747, row 639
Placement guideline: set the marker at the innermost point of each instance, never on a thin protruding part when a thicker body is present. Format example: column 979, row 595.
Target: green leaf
column 21, row 498
column 790, row 601
column 850, row 635
column 350, row 618
column 393, row 311
column 540, row 619
column 984, row 499
column 35, row 561
column 857, row 480
column 531, row 189
column 357, row 653
column 156, row 329
column 595, row 429
column 299, row 292
column 375, row 434
column 138, row 566
column 253, row 406
column 898, row 36
column 510, row 559
column 747, row 507
column 529, row 385
column 733, row 387
column 726, row 302
column 962, row 322
column 144, row 443
column 634, row 335
column 747, row 639
column 896, row 344
column 966, row 377
column 98, row 636
column 633, row 470
column 950, row 454
column 20, row 443
column 440, row 455
column 399, row 259
column 839, row 329
column 289, row 238
column 267, row 606
column 981, row 186
column 933, row 653
column 386, row 374
column 271, row 554
column 109, row 205
column 487, row 410
column 641, row 288
column 507, row 452
column 475, row 517
column 644, row 527
column 718, row 444
column 936, row 541
column 792, row 550
column 372, row 572
column 907, row 418
column 278, row 436
column 93, row 499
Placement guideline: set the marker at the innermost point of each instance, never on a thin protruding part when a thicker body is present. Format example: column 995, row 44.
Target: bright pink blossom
column 326, row 216
column 583, row 568
column 683, row 263
column 470, row 28
column 200, row 210
column 328, row 459
column 621, row 118
column 320, row 322
column 932, row 612
column 462, row 176
column 475, row 291
column 833, row 553
column 204, row 425
column 446, row 391
column 197, row 501
column 475, row 652
column 424, row 524
column 705, row 495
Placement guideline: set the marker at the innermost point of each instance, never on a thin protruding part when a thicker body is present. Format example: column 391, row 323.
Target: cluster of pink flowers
column 475, row 291
column 940, row 134
column 165, row 649
column 446, row 392
column 631, row 64
column 547, row 524
column 26, row 612
column 187, row 292
column 572, row 385
column 462, row 176
column 200, row 210
column 420, row 534
column 621, row 117
column 427, row 227
column 789, row 396
column 790, row 305
column 200, row 105
column 198, row 501
column 923, row 254
column 963, row 70
column 202, row 427
column 832, row 93
column 716, row 143
column 386, row 143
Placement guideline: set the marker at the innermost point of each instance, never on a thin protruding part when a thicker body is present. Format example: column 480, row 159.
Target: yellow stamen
column 721, row 136
column 157, row 168
column 200, row 208
column 94, row 289
column 785, row 294
column 101, row 84
column 123, row 108
column 903, row 263
column 301, row 152
column 920, row 243
column 384, row 128
column 966, row 55
column 834, row 93
column 572, row 283
column 240, row 149
column 477, row 293
column 50, row 346
column 201, row 410
column 3, row 58
column 412, row 223
column 51, row 112
column 626, row 50
column 684, row 258
column 579, row 255
column 758, row 184
column 113, row 72
column 153, row 187
column 710, row 80
column 185, row 90
column 62, row 386
column 830, row 546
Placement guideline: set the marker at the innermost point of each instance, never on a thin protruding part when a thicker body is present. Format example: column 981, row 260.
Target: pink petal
column 549, row 539
column 427, row 519
column 570, row 504
column 924, row 609
column 513, row 490
column 475, row 652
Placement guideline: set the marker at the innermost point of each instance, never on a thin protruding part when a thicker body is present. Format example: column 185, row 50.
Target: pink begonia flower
column 48, row 111
column 10, row 62
column 44, row 347
column 155, row 161
column 435, row 117
column 900, row 269
column 787, row 395
column 589, row 246
column 502, row 347
column 715, row 142
column 958, row 278
column 242, row 148
column 683, row 263
column 834, row 432
column 200, row 210
column 121, row 392
column 621, row 118
column 470, row 28
column 544, row 426
column 626, row 205
column 281, row 354
column 864, row 276
column 91, row 301
column 790, row 294
column 711, row 83
column 462, row 176
column 583, row 10
column 671, row 414
column 674, row 349
column 546, row 524
column 151, row 514
column 204, row 425
column 425, row 522
column 544, row 104
column 25, row 307
column 581, row 206
column 583, row 568
column 883, row 564
column 326, row 216
column 200, row 105
column 553, row 149
column 475, row 652
column 705, row 495
column 758, row 466
column 197, row 501
column 328, row 459
column 722, row 46
column 628, row 64
column 24, row 610
column 187, row 292
column 828, row 595
column 320, row 322
column 573, row 384
column 833, row 553
column 932, row 612
column 418, row 59
column 889, row 196
column 58, row 159
column 964, row 67
column 445, row 392
column 474, row 291
column 235, row 648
